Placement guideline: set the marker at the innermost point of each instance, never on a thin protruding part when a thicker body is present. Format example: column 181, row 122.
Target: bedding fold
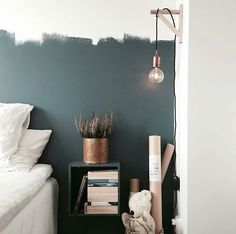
column 18, row 188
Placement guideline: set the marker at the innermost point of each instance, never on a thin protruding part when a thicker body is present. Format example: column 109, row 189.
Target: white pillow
column 13, row 119
column 30, row 149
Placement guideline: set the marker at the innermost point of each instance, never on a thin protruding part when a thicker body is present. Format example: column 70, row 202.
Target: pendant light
column 156, row 75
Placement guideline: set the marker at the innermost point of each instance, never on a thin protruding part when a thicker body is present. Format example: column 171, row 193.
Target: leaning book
column 80, row 194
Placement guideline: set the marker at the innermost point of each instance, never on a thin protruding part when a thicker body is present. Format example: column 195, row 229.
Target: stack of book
column 102, row 192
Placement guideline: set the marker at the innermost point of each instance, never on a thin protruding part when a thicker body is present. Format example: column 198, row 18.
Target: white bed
column 28, row 202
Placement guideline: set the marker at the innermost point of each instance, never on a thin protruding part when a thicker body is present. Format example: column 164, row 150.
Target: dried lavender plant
column 96, row 126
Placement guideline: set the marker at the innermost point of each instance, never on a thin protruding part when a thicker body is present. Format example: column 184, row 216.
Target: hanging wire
column 156, row 53
column 174, row 91
column 175, row 121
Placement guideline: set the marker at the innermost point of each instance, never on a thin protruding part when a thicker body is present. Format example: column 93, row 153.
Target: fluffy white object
column 30, row 149
column 18, row 188
column 139, row 221
column 14, row 118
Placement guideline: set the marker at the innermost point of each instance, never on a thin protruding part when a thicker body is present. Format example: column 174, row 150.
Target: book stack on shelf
column 102, row 192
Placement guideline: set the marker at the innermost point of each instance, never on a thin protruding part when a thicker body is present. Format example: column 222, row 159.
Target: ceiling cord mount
column 161, row 14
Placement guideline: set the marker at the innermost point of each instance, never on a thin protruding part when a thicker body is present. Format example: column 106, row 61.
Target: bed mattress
column 18, row 189
column 39, row 216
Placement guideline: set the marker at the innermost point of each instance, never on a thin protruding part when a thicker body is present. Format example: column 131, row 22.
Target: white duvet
column 18, row 188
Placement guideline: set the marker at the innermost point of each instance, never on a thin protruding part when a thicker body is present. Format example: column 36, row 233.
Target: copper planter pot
column 95, row 150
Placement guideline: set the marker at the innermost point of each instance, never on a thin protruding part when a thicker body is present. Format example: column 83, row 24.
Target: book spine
column 103, row 190
column 85, row 207
column 103, row 175
column 102, row 209
column 96, row 198
column 102, row 203
column 110, row 184
column 80, row 194
column 102, row 181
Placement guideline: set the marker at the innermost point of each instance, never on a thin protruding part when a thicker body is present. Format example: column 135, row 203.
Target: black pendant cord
column 156, row 53
column 175, row 122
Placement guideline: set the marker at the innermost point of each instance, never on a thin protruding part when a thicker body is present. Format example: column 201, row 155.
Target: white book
column 101, row 203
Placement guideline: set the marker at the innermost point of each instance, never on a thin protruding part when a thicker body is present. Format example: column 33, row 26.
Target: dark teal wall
column 66, row 76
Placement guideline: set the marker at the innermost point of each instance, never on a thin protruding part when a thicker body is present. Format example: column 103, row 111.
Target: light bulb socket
column 156, row 62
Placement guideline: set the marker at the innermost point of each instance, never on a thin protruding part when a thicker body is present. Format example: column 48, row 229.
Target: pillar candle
column 133, row 186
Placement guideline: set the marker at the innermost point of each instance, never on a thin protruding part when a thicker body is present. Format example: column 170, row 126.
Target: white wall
column 212, row 117
column 182, row 124
column 95, row 19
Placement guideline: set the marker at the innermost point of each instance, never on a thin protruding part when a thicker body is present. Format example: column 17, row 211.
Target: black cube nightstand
column 77, row 170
